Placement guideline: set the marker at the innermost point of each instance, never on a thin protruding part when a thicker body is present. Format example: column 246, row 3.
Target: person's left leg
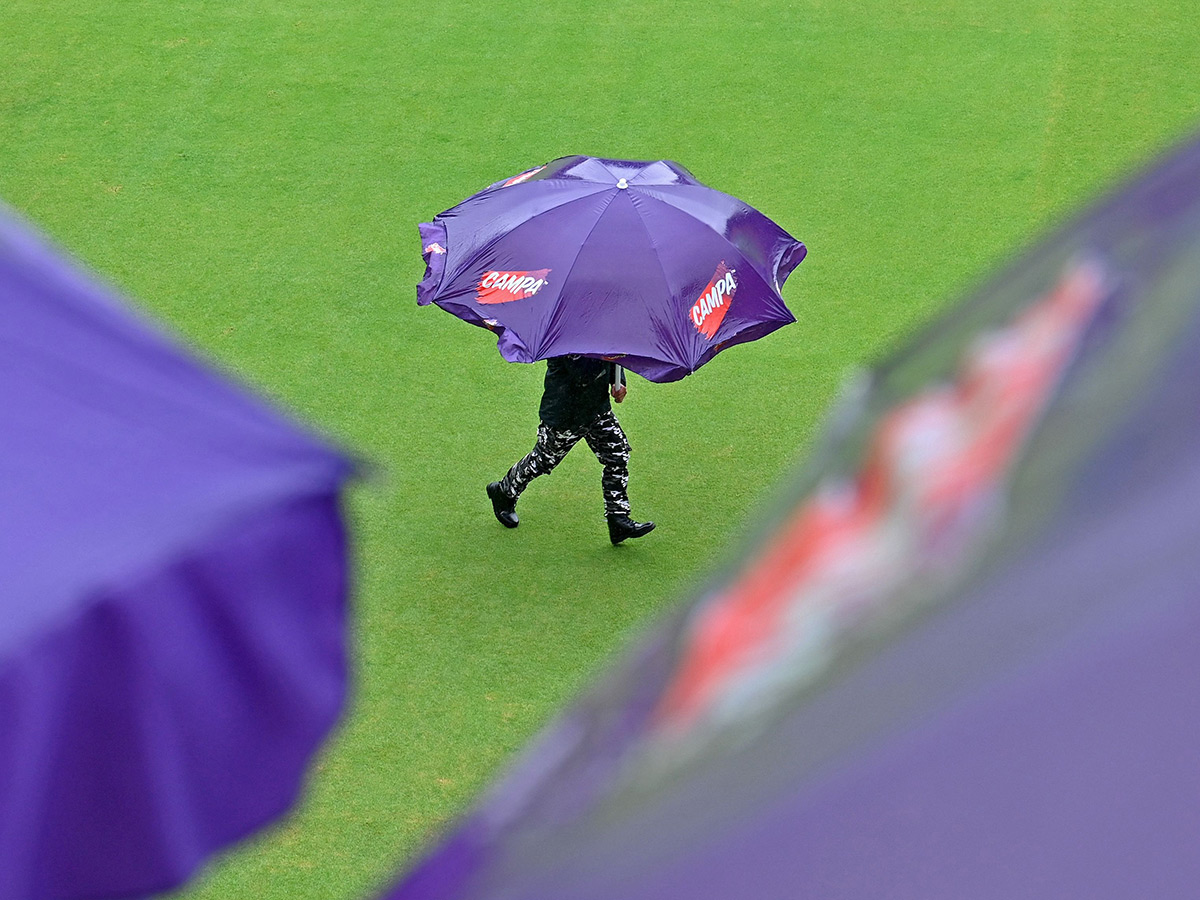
column 607, row 440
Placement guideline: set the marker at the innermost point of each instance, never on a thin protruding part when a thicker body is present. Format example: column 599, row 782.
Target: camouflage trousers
column 606, row 439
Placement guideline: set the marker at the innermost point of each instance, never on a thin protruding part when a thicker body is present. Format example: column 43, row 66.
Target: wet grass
column 253, row 174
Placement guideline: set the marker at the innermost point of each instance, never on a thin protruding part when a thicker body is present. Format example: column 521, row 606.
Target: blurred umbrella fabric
column 963, row 657
column 173, row 580
column 636, row 262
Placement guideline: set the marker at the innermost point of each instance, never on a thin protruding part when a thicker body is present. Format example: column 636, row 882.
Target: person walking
column 575, row 406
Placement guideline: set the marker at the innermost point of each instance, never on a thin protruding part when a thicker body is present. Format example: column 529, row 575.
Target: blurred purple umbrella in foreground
column 962, row 659
column 632, row 261
column 173, row 577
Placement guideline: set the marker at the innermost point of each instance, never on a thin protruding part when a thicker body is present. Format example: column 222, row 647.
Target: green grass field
column 253, row 173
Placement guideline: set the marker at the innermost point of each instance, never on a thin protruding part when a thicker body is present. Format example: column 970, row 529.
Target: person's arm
column 618, row 383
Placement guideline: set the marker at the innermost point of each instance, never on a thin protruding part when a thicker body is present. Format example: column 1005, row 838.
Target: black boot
column 503, row 506
column 621, row 527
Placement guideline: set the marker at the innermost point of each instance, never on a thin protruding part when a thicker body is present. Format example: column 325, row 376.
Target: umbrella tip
column 622, row 184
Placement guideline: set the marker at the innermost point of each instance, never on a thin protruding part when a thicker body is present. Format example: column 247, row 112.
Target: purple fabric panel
column 1007, row 798
column 176, row 712
column 548, row 241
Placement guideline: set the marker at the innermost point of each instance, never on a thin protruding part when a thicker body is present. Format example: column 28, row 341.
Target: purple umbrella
column 173, row 578
column 962, row 656
column 632, row 261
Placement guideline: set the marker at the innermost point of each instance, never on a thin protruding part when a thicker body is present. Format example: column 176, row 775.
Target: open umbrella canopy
column 633, row 261
column 962, row 657
column 172, row 588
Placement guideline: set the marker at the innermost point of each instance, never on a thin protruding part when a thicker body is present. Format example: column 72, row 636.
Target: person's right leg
column 551, row 447
column 608, row 442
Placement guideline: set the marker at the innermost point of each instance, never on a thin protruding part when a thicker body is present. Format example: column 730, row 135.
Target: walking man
column 574, row 406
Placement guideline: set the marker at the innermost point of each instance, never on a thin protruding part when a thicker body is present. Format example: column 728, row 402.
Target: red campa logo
column 504, row 287
column 709, row 311
column 524, row 176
